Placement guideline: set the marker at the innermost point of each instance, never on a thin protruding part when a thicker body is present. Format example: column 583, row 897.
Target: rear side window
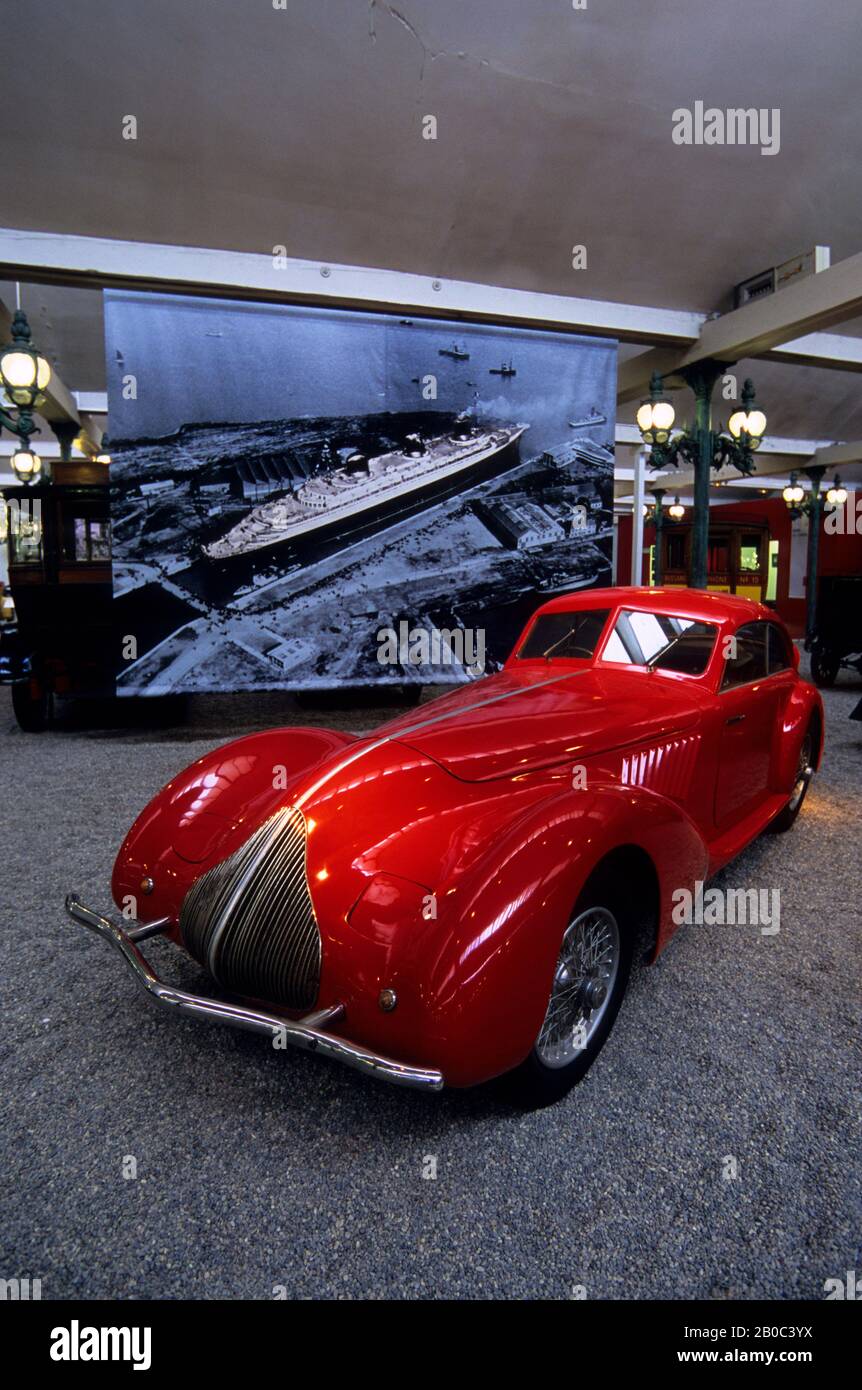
column 564, row 634
column 747, row 661
column 669, row 643
column 778, row 650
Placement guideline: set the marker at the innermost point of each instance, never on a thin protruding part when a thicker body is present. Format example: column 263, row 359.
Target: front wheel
column 588, row 985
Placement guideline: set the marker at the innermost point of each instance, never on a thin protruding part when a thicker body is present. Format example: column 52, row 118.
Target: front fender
column 207, row 811
column 473, row 984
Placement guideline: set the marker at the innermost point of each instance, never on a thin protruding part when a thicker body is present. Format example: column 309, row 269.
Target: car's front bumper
column 309, row 1032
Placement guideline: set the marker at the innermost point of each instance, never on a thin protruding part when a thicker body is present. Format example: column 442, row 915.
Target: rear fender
column 803, row 703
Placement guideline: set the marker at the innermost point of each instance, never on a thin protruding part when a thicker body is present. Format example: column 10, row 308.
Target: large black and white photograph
column 289, row 483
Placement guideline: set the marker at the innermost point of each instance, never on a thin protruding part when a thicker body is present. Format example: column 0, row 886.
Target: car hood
column 520, row 721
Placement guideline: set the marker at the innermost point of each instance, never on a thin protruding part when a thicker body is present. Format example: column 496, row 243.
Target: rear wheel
column 825, row 665
column 804, row 774
column 588, row 985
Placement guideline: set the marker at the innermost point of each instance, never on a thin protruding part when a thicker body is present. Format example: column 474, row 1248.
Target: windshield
column 564, row 635
column 662, row 641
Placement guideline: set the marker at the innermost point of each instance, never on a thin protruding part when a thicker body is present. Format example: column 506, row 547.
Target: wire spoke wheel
column 584, row 978
column 804, row 773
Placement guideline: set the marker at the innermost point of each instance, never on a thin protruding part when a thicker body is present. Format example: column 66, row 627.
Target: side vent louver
column 666, row 767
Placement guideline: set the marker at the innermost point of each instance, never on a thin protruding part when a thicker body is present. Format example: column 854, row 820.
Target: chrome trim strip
column 305, row 1032
column 404, row 734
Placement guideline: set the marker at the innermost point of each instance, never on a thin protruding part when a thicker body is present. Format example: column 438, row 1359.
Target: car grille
column 251, row 921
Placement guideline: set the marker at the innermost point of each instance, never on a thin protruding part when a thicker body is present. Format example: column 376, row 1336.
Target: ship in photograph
column 588, row 421
column 365, row 491
column 458, row 354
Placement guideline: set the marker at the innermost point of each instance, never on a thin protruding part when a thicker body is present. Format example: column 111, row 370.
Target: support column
column 658, row 564
column 638, row 520
column 702, row 378
column 815, row 513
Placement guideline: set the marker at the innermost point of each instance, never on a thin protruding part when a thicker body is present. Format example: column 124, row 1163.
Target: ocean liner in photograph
column 350, row 472
column 368, row 491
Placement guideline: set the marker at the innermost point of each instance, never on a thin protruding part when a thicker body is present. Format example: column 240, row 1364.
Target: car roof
column 699, row 604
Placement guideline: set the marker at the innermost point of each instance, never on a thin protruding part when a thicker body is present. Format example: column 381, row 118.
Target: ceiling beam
column 93, row 402
column 807, row 306
column 633, row 375
column 837, row 351
column 676, row 478
column 96, row 262
column 839, row 455
column 772, row 444
column 47, row 448
column 834, row 351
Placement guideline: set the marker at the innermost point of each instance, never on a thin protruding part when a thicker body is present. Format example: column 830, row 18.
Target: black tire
column 807, row 753
column 31, row 711
column 825, row 666
column 536, row 1084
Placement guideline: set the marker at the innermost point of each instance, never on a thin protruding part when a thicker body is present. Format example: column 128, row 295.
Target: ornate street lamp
column 24, row 372
column 702, row 447
column 24, row 378
column 811, row 504
column 26, row 465
column 747, row 425
column 836, row 495
column 794, row 495
column 676, row 511
column 656, row 415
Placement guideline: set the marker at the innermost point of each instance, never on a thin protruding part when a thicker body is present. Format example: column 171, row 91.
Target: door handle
column 735, row 719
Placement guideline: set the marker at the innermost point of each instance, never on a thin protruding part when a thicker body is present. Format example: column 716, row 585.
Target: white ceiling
column 302, row 127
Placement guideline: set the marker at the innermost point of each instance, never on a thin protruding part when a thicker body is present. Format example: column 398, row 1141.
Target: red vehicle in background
column 458, row 895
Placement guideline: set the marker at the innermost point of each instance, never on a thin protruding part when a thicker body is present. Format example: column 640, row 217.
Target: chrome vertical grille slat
column 250, row 919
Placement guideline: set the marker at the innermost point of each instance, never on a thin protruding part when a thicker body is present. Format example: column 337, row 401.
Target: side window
column 749, row 661
column 779, row 654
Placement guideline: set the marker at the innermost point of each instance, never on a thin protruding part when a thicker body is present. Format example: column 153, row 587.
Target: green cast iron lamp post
column 655, row 514
column 702, row 447
column 24, row 378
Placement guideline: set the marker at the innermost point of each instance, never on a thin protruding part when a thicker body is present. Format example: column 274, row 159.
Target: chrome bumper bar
column 307, row 1032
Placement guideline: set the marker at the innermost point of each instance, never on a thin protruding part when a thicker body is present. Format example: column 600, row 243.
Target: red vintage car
column 458, row 894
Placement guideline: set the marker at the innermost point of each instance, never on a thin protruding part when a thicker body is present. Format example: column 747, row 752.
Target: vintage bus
column 740, row 558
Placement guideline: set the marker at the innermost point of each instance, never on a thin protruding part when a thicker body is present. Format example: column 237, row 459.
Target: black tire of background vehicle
column 787, row 818
column 32, row 712
column 825, row 666
column 534, row 1084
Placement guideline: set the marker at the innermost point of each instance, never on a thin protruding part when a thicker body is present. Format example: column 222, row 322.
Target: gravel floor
column 258, row 1169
